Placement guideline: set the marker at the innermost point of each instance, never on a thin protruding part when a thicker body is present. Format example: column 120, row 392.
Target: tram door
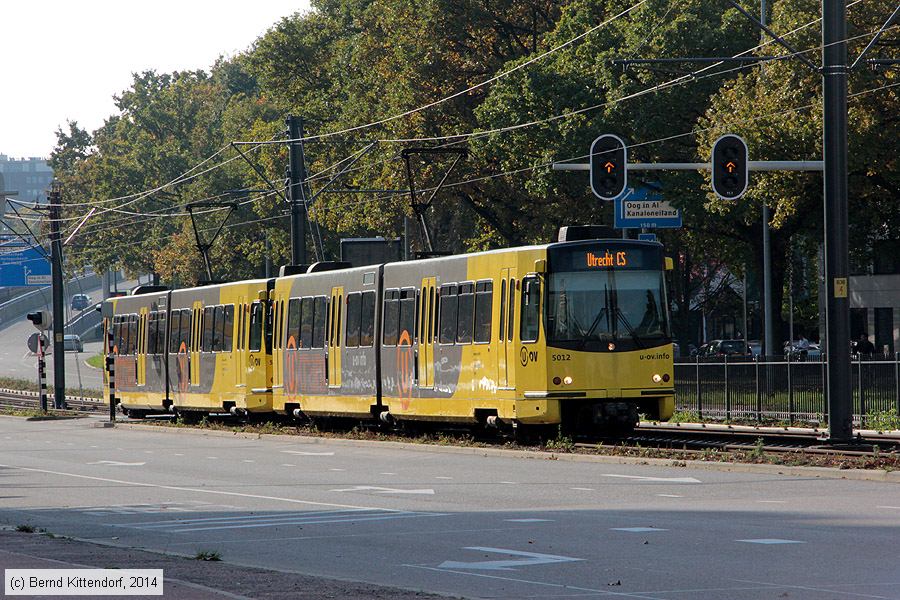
column 506, row 358
column 335, row 312
column 425, row 357
column 142, row 348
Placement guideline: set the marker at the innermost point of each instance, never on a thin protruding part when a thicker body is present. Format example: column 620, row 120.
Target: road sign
column 22, row 265
column 647, row 237
column 644, row 207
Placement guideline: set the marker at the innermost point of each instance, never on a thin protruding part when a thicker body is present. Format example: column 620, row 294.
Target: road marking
column 302, row 453
column 669, row 496
column 270, row 520
column 387, row 473
column 383, row 490
column 528, row 520
column 115, row 463
column 894, row 507
column 509, row 482
column 443, row 477
column 176, row 454
column 212, row 457
column 287, row 465
column 583, row 489
column 665, row 479
column 637, row 529
column 771, row 541
column 771, row 501
column 337, row 469
column 148, row 451
column 247, row 460
column 529, row 559
column 190, row 489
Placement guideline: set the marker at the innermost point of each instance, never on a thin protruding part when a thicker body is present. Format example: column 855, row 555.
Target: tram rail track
column 687, row 438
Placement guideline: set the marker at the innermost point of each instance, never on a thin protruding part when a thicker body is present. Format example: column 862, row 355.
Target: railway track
column 684, row 437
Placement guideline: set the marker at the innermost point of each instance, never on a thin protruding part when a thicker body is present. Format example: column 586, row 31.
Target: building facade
column 30, row 177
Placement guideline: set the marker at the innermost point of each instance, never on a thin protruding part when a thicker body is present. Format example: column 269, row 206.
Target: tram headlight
column 657, row 378
column 611, row 346
column 567, row 380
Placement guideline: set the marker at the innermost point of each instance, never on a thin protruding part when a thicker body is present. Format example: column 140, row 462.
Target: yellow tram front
column 609, row 354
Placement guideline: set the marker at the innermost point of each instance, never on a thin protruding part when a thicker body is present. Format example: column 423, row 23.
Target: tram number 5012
column 561, row 357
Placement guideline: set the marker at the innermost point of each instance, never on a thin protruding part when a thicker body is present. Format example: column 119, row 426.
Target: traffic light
column 729, row 167
column 609, row 167
column 40, row 319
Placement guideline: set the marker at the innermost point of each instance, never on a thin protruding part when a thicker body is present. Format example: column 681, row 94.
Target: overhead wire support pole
column 296, row 194
column 344, row 170
column 204, row 248
column 419, row 208
column 837, row 253
column 59, row 322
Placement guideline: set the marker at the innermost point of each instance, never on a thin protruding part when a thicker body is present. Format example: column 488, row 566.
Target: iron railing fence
column 783, row 388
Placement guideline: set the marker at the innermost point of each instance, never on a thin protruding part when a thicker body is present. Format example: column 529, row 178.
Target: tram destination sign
column 638, row 208
column 22, row 266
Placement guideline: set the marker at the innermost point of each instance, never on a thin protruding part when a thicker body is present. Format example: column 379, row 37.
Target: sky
column 66, row 59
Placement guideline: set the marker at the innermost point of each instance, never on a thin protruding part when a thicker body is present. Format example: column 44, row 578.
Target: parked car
column 72, row 343
column 755, row 347
column 80, row 301
column 730, row 348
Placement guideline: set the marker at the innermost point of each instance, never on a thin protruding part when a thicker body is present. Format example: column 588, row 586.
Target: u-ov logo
column 523, row 356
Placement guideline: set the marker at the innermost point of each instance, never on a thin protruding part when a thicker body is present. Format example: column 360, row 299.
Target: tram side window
column 391, row 318
column 209, row 322
column 256, row 326
column 449, row 305
column 320, row 310
column 185, row 329
column 407, row 317
column 367, row 320
column 228, row 334
column 465, row 319
column 151, row 333
column 132, row 334
column 306, row 323
column 219, row 328
column 160, row 333
column 531, row 309
column 293, row 322
column 174, row 331
column 484, row 294
column 354, row 315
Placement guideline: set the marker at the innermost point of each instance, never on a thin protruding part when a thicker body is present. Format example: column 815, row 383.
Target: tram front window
column 589, row 309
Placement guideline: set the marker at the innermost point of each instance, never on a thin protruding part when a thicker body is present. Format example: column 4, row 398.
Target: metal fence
column 782, row 388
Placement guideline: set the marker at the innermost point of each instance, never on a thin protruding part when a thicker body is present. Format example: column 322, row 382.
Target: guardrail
column 784, row 388
column 15, row 309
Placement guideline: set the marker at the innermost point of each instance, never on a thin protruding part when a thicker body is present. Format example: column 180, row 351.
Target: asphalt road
column 479, row 526
column 16, row 361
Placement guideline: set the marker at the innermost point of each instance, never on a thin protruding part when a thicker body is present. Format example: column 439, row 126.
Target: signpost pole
column 42, row 372
column 59, row 356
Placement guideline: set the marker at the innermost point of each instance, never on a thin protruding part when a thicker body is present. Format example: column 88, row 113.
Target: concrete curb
column 817, row 472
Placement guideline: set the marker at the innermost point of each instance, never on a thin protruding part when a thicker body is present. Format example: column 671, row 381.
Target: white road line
column 387, row 473
column 212, row 458
column 528, row 520
column 664, row 479
column 287, row 465
column 637, row 529
column 582, row 489
column 196, row 490
column 443, row 478
column 509, row 482
column 894, row 507
column 771, row 541
column 176, row 454
column 337, row 469
column 247, row 460
column 302, row 453
column 669, row 496
column 771, row 501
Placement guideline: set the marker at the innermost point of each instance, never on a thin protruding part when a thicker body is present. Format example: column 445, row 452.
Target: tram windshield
column 589, row 308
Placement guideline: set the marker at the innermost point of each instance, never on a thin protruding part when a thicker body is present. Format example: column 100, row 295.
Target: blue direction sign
column 22, row 265
column 647, row 237
column 645, row 207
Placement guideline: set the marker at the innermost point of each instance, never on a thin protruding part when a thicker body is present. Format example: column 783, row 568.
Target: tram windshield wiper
column 631, row 331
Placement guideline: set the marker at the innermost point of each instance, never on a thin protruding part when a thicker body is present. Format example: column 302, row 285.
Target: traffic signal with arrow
column 609, row 167
column 729, row 167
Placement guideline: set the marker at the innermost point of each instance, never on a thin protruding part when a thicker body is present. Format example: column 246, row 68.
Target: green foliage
column 562, row 443
column 685, row 416
column 208, row 555
column 883, row 420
